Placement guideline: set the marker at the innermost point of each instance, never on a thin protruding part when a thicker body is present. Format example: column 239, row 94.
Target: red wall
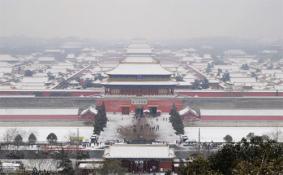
column 165, row 105
column 166, row 165
column 87, row 116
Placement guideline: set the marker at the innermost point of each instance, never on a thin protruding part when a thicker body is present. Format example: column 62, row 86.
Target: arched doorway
column 153, row 111
column 139, row 111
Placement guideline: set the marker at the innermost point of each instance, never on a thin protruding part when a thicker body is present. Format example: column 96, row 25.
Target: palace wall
column 165, row 105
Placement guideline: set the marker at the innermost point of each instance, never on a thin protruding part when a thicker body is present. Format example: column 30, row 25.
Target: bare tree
column 140, row 130
column 10, row 135
column 42, row 164
column 277, row 134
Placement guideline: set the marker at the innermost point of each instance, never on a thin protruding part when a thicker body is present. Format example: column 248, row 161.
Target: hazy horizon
column 150, row 19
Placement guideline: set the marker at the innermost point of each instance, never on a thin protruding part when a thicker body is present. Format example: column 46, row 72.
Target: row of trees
column 100, row 120
column 60, row 161
column 18, row 140
column 257, row 155
column 176, row 120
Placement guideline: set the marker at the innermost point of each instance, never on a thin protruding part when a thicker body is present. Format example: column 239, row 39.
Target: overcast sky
column 142, row 18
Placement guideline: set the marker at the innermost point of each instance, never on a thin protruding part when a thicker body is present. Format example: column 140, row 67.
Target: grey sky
column 142, row 18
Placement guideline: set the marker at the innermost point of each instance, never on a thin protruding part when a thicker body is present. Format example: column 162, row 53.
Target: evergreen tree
column 51, row 138
column 219, row 72
column 31, row 139
column 176, row 120
column 205, row 83
column 208, row 68
column 196, row 84
column 100, row 120
column 28, row 73
column 259, row 156
column 228, row 139
column 226, row 76
column 18, row 139
column 97, row 123
column 87, row 83
column 245, row 67
column 103, row 112
column 199, row 166
column 65, row 163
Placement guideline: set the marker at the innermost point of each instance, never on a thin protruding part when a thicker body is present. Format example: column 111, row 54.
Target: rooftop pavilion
column 139, row 75
column 139, row 48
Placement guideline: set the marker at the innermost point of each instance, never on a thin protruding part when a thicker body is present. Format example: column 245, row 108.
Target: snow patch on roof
column 38, row 111
column 243, row 112
column 91, row 109
column 139, row 151
column 139, row 69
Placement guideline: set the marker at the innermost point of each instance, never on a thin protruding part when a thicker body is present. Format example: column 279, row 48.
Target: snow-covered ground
column 41, row 133
column 216, row 134
column 165, row 132
column 115, row 121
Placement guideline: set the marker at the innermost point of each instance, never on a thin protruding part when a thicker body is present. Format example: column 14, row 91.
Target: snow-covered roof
column 139, row 69
column 187, row 58
column 54, row 50
column 35, row 79
column 91, row 109
column 234, row 52
column 43, row 59
column 90, row 166
column 138, row 44
column 5, row 57
column 74, row 82
column 38, row 111
column 87, row 58
column 140, row 151
column 141, row 83
column 70, row 56
column 242, row 112
column 139, row 48
column 270, row 71
column 227, row 67
column 186, row 83
column 87, row 76
column 4, row 64
column 139, row 59
column 186, row 110
column 243, row 80
column 6, row 69
column 139, row 51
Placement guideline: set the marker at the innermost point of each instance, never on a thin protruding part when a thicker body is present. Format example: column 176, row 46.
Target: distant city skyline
column 150, row 19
